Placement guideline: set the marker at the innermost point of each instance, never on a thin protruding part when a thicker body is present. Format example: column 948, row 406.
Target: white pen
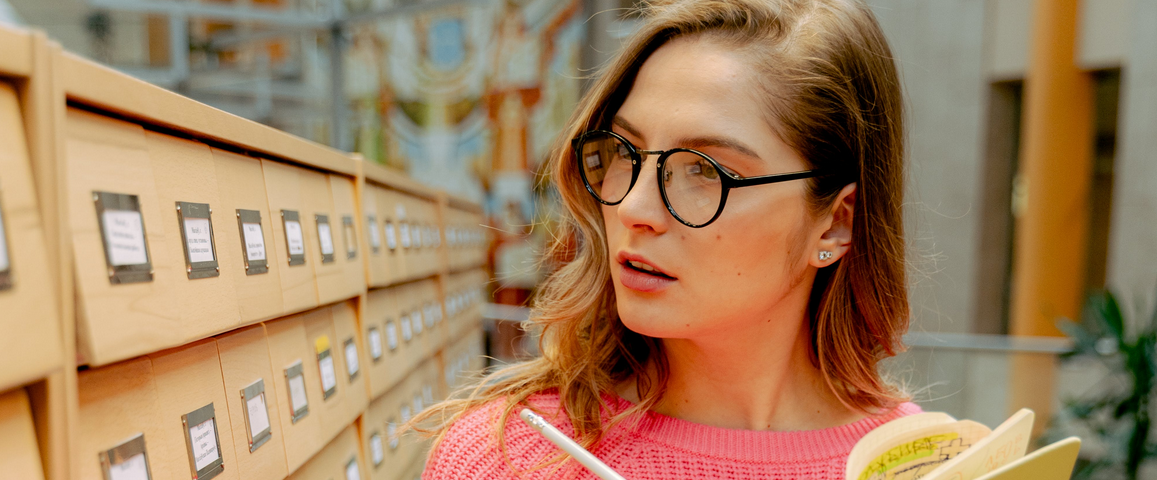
column 569, row 446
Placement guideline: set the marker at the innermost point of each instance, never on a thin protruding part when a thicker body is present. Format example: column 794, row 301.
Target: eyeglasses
column 693, row 185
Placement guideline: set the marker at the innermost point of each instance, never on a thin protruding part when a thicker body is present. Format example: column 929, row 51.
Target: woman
column 734, row 257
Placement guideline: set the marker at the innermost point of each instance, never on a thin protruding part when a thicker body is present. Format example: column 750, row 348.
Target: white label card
column 3, row 245
column 407, row 333
column 297, row 396
column 391, row 236
column 352, row 472
column 198, row 241
column 391, row 335
column 375, row 344
column 325, row 237
column 405, row 231
column 375, row 237
column 258, row 415
column 392, row 434
column 328, row 375
column 133, row 468
column 351, row 246
column 351, row 358
column 416, row 321
column 294, row 238
column 254, row 241
column 376, row 452
column 204, row 436
column 125, row 236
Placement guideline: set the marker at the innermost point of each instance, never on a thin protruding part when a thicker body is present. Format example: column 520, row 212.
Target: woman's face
column 739, row 269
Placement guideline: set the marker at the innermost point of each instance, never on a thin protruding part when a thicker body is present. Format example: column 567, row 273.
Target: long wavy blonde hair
column 832, row 93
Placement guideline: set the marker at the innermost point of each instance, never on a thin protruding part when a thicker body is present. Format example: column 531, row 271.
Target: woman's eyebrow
column 625, row 125
column 693, row 142
column 722, row 142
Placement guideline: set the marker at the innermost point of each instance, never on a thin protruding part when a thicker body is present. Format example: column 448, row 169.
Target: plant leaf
column 1111, row 315
column 1084, row 341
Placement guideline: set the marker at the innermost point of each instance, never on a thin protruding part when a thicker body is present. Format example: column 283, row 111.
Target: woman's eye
column 623, row 151
column 704, row 168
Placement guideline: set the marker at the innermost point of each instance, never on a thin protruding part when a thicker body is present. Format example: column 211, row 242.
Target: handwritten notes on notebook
column 935, row 446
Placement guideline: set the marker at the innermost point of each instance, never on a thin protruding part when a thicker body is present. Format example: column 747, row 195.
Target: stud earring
column 824, row 255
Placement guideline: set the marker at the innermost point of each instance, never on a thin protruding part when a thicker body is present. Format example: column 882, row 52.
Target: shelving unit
column 192, row 293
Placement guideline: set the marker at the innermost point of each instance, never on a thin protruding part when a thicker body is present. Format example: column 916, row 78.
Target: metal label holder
column 377, row 437
column 123, row 452
column 254, row 390
column 352, row 464
column 252, row 267
column 391, row 235
column 186, row 210
column 141, row 272
column 371, row 229
column 292, row 216
column 324, row 219
column 345, row 348
column 370, row 334
column 350, row 235
column 292, row 371
column 322, row 355
column 194, row 418
column 6, row 274
column 391, row 335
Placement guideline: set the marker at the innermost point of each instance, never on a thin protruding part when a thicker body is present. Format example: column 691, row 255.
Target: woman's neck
column 752, row 380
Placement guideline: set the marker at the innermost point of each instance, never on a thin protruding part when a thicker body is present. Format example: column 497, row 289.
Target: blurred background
column 1030, row 187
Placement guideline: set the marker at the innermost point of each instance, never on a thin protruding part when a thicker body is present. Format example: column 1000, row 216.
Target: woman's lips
column 642, row 282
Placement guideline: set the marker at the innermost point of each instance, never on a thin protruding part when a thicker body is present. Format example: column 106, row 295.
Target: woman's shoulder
column 470, row 450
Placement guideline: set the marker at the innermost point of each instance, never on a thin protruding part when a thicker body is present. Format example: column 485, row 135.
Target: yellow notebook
column 1054, row 462
column 935, row 446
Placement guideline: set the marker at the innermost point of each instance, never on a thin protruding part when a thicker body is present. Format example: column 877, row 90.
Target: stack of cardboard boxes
column 188, row 294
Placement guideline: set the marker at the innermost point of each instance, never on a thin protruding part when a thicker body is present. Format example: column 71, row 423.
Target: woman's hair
column 831, row 92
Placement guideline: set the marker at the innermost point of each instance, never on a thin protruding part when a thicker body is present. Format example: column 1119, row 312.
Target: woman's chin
column 655, row 323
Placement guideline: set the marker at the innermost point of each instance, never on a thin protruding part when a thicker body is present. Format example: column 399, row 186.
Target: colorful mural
column 470, row 98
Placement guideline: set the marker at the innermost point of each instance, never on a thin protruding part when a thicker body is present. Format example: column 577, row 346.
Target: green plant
column 1119, row 414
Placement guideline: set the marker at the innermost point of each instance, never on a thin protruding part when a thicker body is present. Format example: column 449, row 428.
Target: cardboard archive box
column 119, row 419
column 465, row 294
column 295, row 383
column 253, row 408
column 31, row 346
column 397, row 249
column 425, row 241
column 378, row 255
column 351, row 349
column 192, row 408
column 407, row 298
column 320, row 337
column 19, row 453
column 125, row 271
column 397, row 354
column 246, row 239
column 192, row 220
column 347, row 232
column 293, row 247
column 466, row 234
column 323, row 227
column 339, row 460
column 383, row 416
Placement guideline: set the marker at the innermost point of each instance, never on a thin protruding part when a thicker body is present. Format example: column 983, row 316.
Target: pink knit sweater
column 658, row 447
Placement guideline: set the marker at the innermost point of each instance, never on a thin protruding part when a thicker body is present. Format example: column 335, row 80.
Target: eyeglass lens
column 691, row 184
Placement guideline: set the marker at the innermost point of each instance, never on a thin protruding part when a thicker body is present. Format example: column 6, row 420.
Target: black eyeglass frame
column 728, row 179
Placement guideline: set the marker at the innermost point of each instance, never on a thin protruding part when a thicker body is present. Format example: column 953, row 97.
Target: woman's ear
column 836, row 240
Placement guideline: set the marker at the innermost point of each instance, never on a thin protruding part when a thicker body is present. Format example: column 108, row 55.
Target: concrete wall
column 940, row 48
column 1132, row 267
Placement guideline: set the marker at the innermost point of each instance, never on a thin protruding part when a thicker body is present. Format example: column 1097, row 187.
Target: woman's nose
column 642, row 209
